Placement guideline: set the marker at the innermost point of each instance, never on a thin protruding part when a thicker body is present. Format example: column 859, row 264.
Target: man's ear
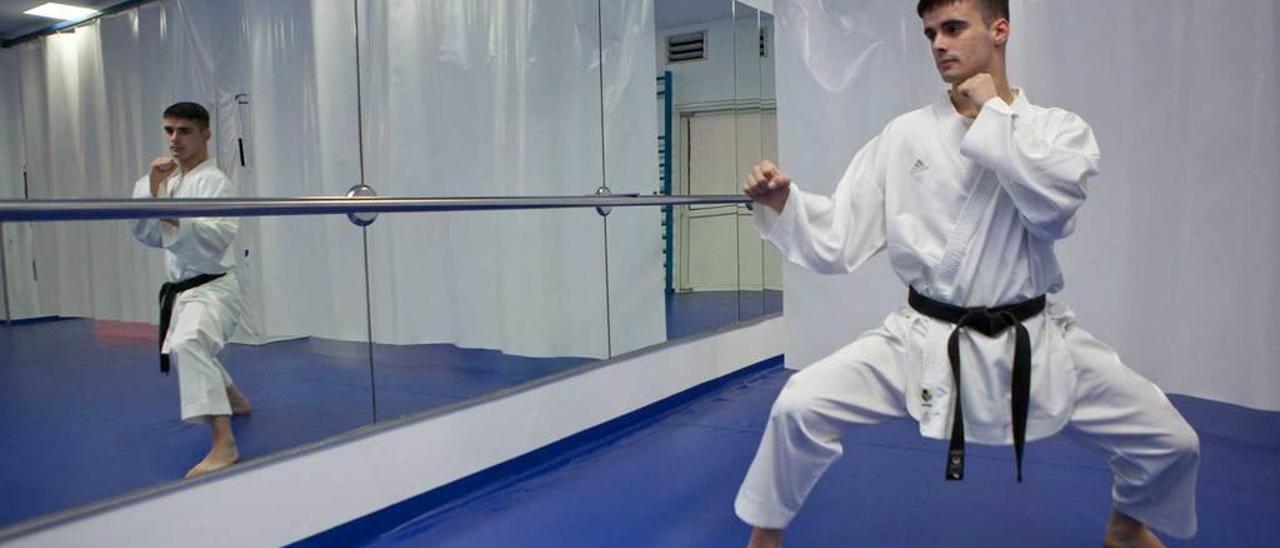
column 207, row 133
column 1000, row 32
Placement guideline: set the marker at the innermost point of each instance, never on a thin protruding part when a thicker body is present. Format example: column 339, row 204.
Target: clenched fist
column 768, row 185
column 161, row 168
column 971, row 94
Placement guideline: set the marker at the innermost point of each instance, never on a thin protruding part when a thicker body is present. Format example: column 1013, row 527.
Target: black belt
column 168, row 294
column 990, row 322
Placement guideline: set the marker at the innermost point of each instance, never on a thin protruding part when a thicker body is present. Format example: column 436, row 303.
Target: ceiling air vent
column 686, row 47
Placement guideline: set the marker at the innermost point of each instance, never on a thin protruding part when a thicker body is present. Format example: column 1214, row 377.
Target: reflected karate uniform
column 203, row 317
column 968, row 211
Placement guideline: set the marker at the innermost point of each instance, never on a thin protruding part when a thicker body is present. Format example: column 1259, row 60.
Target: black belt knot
column 168, row 296
column 989, row 321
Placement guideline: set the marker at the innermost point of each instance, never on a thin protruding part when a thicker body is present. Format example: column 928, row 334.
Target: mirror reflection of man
column 201, row 303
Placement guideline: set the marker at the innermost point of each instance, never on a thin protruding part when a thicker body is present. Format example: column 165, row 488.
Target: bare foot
column 239, row 403
column 1126, row 532
column 765, row 538
column 220, row 456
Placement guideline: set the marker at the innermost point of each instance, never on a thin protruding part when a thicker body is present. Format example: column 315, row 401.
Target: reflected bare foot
column 220, row 456
column 1126, row 532
column 239, row 403
column 765, row 538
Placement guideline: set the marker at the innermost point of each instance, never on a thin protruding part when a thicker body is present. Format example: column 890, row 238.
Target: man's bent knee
column 195, row 342
column 191, row 352
column 1184, row 443
column 797, row 406
column 792, row 406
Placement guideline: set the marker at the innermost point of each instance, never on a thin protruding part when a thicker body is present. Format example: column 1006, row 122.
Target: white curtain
column 91, row 102
column 637, row 313
column 467, row 98
column 289, row 85
column 14, row 235
column 459, row 98
column 1174, row 262
column 473, row 98
column 11, row 145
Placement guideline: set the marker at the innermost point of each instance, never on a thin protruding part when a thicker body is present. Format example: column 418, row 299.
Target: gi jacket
column 968, row 212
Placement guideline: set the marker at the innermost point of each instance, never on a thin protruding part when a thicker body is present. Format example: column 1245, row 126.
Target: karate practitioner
column 968, row 196
column 201, row 303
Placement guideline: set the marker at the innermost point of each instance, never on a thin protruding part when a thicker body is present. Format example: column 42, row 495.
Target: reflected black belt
column 168, row 295
column 990, row 322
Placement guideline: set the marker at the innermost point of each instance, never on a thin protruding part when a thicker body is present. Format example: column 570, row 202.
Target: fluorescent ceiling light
column 54, row 10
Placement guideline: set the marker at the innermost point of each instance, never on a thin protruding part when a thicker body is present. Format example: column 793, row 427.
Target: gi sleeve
column 832, row 234
column 202, row 240
column 146, row 231
column 1044, row 165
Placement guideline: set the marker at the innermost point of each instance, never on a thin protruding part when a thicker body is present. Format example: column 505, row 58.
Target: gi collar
column 208, row 162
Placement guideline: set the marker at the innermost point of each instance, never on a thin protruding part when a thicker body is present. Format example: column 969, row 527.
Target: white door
column 717, row 247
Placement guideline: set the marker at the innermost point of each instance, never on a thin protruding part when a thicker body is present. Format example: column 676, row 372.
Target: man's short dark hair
column 188, row 111
column 991, row 9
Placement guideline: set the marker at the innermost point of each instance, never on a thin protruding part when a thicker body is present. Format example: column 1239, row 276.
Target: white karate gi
column 206, row 316
column 969, row 215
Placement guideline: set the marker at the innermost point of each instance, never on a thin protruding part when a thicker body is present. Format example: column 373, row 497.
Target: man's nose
column 939, row 45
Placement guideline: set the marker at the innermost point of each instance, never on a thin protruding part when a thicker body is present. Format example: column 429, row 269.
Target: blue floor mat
column 672, row 483
column 88, row 416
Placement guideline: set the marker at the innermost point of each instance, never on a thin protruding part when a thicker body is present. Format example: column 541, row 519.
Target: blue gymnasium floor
column 669, row 480
column 88, row 416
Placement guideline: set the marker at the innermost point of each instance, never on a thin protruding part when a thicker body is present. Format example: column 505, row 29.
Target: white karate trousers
column 1153, row 453
column 203, row 319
